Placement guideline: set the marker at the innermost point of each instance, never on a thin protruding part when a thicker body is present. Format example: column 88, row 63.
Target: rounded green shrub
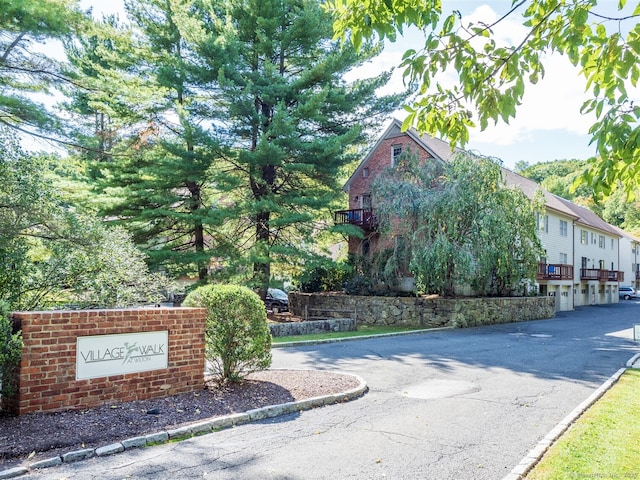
column 238, row 340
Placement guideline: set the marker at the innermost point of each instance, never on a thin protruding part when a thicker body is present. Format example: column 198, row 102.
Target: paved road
column 456, row 404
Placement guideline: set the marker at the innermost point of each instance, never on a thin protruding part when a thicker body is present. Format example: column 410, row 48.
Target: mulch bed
column 37, row 436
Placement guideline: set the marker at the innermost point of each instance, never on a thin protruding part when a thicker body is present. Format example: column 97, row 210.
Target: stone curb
column 301, row 343
column 535, row 455
column 195, row 429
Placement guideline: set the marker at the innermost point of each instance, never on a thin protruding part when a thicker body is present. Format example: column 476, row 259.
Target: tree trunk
column 198, row 228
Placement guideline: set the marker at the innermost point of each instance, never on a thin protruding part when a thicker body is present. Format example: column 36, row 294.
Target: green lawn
column 604, row 442
column 363, row 330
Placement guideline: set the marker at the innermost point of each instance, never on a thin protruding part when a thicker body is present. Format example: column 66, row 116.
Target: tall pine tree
column 27, row 73
column 158, row 177
column 235, row 120
column 291, row 117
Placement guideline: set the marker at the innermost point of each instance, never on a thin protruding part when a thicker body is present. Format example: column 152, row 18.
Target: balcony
column 601, row 275
column 554, row 271
column 361, row 217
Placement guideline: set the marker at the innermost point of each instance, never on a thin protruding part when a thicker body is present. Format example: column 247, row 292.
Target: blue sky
column 548, row 125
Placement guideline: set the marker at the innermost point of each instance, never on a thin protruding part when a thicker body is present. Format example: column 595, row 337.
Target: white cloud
column 551, row 104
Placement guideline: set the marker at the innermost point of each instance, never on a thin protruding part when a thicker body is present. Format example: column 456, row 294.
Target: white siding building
column 585, row 259
column 581, row 264
column 629, row 254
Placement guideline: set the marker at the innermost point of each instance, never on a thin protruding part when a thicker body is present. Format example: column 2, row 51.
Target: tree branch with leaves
column 492, row 77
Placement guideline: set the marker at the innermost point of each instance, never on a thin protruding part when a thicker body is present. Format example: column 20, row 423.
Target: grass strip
column 362, row 330
column 604, row 441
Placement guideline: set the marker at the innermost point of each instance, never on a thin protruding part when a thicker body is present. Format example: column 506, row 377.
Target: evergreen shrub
column 238, row 340
column 10, row 352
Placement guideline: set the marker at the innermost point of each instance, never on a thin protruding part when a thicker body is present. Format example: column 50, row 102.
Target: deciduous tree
column 51, row 254
column 463, row 226
column 492, row 76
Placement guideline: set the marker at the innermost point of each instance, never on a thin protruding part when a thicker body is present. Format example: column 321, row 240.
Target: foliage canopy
column 51, row 253
column 10, row 352
column 25, row 68
column 491, row 77
column 234, row 121
column 462, row 225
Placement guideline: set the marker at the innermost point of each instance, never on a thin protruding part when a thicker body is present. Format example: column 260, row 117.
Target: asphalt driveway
column 454, row 404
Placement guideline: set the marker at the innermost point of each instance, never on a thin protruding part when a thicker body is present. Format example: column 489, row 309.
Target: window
column 396, row 151
column 366, row 201
column 563, row 228
column 601, row 241
column 593, row 238
column 583, row 237
column 601, row 263
column 365, row 172
column 612, row 247
column 563, row 258
column 543, row 222
column 583, row 262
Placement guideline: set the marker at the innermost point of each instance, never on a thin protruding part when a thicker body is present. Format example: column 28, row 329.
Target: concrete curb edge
column 302, row 343
column 520, row 471
column 195, row 429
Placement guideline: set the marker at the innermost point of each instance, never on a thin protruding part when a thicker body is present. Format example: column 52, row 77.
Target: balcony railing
column 362, row 217
column 554, row 271
column 601, row 275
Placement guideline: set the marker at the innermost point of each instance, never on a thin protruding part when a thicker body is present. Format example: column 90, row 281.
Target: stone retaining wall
column 423, row 312
column 310, row 327
column 47, row 371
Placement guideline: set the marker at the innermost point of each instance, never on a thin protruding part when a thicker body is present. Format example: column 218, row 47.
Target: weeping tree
column 462, row 224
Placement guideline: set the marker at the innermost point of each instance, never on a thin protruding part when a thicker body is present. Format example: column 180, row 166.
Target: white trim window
column 396, row 151
column 543, row 222
column 563, row 228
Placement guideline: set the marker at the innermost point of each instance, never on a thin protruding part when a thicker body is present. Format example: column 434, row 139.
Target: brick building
column 583, row 263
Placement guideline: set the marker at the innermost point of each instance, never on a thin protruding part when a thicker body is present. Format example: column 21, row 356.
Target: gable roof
column 588, row 218
column 441, row 150
column 438, row 149
column 629, row 236
column 581, row 215
column 530, row 188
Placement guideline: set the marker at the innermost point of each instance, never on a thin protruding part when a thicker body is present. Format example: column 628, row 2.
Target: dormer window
column 365, row 172
column 396, row 151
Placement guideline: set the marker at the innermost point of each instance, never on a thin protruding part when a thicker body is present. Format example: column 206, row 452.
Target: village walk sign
column 105, row 355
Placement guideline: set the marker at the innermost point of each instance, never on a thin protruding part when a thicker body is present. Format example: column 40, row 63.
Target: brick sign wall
column 167, row 341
